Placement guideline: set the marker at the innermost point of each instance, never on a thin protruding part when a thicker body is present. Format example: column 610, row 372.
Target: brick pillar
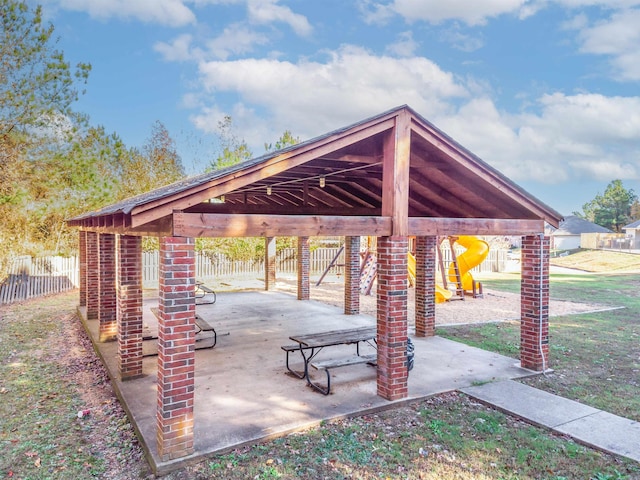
column 534, row 303
column 93, row 276
column 108, row 302
column 351, row 275
column 269, row 263
column 129, row 312
column 392, row 317
column 176, row 348
column 304, row 260
column 425, row 286
column 82, row 257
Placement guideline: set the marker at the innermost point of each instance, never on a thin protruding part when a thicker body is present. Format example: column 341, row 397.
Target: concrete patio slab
column 243, row 394
column 585, row 424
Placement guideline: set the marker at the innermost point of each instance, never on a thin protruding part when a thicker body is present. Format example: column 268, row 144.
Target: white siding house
column 633, row 231
column 567, row 235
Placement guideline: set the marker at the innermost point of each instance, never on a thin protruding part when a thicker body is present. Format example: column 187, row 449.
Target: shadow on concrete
column 243, row 393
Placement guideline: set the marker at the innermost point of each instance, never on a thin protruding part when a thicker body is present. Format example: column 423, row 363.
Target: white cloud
column 173, row 13
column 405, row 45
column 563, row 137
column 178, row 50
column 310, row 98
column 236, row 39
column 471, row 12
column 586, row 136
column 461, row 41
column 607, row 4
column 374, row 13
column 617, row 37
column 268, row 11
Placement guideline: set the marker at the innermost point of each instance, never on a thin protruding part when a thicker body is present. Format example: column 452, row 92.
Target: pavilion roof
column 342, row 174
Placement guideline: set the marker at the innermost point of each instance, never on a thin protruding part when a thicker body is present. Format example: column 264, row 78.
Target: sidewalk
column 584, row 424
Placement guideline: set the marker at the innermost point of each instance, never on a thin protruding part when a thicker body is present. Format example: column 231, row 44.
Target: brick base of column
column 304, row 264
column 425, row 286
column 93, row 276
column 108, row 296
column 392, row 318
column 352, row 275
column 534, row 303
column 176, row 348
column 129, row 289
column 82, row 246
column 269, row 263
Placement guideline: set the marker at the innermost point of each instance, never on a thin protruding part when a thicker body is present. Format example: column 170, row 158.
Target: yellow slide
column 442, row 294
column 477, row 251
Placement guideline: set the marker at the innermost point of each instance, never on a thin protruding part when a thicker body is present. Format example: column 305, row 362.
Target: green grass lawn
column 44, row 363
column 595, row 356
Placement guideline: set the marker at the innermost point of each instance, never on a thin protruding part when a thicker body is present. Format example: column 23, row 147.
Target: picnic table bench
column 204, row 294
column 309, row 345
column 201, row 326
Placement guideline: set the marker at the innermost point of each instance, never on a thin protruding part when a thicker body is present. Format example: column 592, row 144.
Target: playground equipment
column 442, row 294
column 459, row 269
column 458, row 272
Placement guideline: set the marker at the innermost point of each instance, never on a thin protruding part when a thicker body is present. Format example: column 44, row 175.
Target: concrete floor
column 243, row 394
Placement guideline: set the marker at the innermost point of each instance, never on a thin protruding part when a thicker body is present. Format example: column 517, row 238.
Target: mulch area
column 494, row 306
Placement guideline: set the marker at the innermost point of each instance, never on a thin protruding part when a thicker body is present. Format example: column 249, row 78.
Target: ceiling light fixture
column 269, row 190
column 322, row 182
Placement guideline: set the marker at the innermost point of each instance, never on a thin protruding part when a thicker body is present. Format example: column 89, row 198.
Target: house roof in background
column 632, row 226
column 573, row 225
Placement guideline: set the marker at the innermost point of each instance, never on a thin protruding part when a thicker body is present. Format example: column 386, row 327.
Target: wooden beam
column 240, row 209
column 221, row 225
column 395, row 173
column 474, row 226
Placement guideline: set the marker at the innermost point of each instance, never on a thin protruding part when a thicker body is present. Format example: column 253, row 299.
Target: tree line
column 54, row 163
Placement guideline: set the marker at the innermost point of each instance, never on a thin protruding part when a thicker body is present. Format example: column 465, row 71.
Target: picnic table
column 310, row 344
column 206, row 335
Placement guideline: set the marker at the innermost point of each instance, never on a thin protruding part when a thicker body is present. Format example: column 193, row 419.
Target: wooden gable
column 393, row 174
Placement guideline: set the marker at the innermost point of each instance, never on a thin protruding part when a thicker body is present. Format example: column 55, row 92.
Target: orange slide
column 477, row 251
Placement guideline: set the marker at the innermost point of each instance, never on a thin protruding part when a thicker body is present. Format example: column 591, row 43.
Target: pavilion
column 392, row 176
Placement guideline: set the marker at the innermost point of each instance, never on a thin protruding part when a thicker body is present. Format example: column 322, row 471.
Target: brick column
column 392, row 317
column 351, row 275
column 108, row 303
column 176, row 348
column 93, row 276
column 82, row 260
column 534, row 303
column 304, row 260
column 129, row 312
column 269, row 263
column 425, row 286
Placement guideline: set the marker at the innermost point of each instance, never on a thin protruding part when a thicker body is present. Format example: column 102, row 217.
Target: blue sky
column 546, row 91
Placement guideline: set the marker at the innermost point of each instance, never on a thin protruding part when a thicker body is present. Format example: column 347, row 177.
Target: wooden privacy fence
column 607, row 241
column 33, row 277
